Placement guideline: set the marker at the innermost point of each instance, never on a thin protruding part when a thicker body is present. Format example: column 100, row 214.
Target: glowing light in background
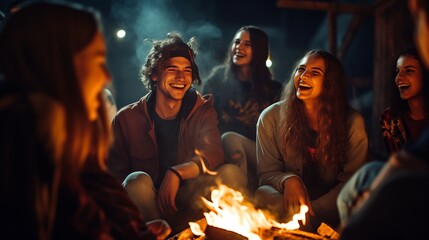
column 269, row 63
column 121, row 33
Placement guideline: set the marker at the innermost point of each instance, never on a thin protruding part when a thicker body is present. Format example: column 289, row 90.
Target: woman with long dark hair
column 402, row 124
column 310, row 142
column 54, row 130
column 242, row 87
column 408, row 114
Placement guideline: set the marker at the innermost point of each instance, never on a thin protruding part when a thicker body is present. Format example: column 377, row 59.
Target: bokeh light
column 121, row 33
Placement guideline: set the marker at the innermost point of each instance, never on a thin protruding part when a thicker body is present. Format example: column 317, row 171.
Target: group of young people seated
column 72, row 170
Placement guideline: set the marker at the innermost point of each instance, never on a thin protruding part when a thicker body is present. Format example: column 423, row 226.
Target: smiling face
column 241, row 49
column 409, row 78
column 92, row 73
column 173, row 81
column 309, row 77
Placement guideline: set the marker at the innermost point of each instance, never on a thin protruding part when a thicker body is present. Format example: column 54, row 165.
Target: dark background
column 214, row 22
column 291, row 32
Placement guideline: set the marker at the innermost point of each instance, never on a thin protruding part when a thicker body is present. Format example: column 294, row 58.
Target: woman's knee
column 228, row 137
column 234, row 149
column 137, row 180
column 140, row 189
column 232, row 176
column 267, row 192
column 232, row 141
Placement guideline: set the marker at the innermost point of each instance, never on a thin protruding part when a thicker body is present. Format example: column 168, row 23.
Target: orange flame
column 229, row 211
column 205, row 169
column 196, row 229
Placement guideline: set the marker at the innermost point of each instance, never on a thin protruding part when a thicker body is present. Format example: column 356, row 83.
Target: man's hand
column 159, row 228
column 167, row 193
column 294, row 196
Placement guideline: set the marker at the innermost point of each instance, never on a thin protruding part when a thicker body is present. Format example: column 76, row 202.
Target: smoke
column 153, row 19
column 208, row 21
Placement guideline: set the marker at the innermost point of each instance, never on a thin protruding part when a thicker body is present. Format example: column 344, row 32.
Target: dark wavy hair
column 160, row 54
column 398, row 105
column 260, row 73
column 332, row 112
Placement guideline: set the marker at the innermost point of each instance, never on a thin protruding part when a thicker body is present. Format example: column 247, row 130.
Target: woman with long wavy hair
column 310, row 142
column 54, row 131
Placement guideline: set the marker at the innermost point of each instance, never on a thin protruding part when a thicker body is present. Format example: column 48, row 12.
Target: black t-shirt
column 167, row 132
column 167, row 135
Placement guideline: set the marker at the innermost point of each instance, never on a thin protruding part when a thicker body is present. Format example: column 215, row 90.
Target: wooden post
column 332, row 31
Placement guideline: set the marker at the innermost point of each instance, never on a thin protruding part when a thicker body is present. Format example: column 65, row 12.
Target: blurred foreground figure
column 395, row 207
column 402, row 123
column 54, row 131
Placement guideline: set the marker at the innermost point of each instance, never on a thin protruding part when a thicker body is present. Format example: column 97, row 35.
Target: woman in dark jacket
column 242, row 87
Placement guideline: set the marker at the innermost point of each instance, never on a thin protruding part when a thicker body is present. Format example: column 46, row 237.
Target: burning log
column 272, row 234
column 230, row 217
column 229, row 211
column 282, row 234
column 327, row 231
column 215, row 233
column 219, row 233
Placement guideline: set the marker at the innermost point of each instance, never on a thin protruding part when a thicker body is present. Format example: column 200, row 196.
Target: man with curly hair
column 166, row 140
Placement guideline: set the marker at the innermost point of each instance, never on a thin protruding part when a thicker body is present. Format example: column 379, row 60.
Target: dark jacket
column 135, row 147
column 236, row 104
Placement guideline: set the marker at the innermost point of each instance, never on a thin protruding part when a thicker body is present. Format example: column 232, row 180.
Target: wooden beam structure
column 332, row 9
column 351, row 32
column 393, row 32
column 326, row 6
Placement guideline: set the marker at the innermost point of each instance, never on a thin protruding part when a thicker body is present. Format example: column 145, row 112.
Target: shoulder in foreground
column 22, row 101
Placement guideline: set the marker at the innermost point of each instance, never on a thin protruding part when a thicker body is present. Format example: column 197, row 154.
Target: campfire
column 231, row 217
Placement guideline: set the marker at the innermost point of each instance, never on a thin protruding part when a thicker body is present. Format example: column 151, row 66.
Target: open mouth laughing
column 304, row 86
column 239, row 55
column 403, row 87
column 177, row 86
